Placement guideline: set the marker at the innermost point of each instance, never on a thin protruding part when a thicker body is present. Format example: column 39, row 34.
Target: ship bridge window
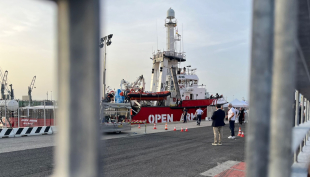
column 195, row 82
column 191, row 83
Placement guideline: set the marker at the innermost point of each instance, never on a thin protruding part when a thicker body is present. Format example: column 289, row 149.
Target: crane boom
column 30, row 88
column 3, row 84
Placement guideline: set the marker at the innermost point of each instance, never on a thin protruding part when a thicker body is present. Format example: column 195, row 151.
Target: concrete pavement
column 167, row 153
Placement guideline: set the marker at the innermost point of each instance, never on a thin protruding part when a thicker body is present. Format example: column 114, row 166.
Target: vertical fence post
column 307, row 110
column 302, row 101
column 44, row 115
column 306, row 119
column 283, row 85
column 54, row 113
column 257, row 141
column 296, row 107
column 78, row 142
column 5, row 113
column 18, row 117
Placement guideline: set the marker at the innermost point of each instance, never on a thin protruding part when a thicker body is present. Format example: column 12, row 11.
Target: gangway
column 175, row 82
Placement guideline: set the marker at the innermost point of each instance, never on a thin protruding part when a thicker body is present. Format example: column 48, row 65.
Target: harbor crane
column 30, row 88
column 11, row 92
column 3, row 84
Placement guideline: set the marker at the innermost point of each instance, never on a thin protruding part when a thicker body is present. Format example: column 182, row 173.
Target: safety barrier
column 7, row 133
column 26, row 131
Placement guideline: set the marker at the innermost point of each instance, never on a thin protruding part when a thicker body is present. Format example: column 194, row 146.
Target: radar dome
column 170, row 13
column 12, row 105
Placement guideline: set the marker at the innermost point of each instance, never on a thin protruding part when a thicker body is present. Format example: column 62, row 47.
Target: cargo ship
column 172, row 88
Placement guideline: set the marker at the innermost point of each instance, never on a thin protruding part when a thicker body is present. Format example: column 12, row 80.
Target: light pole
column 105, row 41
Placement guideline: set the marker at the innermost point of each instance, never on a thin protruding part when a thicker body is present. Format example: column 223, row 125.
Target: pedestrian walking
column 217, row 124
column 198, row 115
column 184, row 115
column 241, row 116
column 231, row 119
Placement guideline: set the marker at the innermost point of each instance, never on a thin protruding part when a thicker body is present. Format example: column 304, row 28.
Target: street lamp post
column 105, row 41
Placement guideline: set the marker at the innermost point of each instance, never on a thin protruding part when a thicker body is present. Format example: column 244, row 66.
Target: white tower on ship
column 164, row 60
column 171, row 23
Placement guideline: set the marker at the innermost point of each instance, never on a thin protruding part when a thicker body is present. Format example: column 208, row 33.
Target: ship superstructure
column 164, row 64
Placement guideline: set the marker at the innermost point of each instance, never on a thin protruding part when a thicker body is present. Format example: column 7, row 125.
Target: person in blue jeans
column 231, row 119
column 184, row 114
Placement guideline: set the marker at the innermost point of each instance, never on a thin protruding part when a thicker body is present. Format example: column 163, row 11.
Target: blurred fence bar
column 260, row 88
column 77, row 150
column 283, row 87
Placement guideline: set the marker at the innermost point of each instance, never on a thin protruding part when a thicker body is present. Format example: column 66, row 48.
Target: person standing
column 217, row 124
column 241, row 116
column 184, row 115
column 236, row 113
column 231, row 119
column 198, row 114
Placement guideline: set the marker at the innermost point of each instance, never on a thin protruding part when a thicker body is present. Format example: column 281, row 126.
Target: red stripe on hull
column 164, row 114
column 168, row 114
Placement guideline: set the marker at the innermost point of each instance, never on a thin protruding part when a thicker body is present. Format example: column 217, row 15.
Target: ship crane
column 124, row 83
column 138, row 82
column 30, row 88
column 3, row 84
column 135, row 85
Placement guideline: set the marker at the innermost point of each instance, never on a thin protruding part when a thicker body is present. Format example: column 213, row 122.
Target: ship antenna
column 182, row 39
column 157, row 34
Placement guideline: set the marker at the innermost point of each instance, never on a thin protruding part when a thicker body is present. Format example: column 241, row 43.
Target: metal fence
column 28, row 116
column 275, row 135
column 269, row 144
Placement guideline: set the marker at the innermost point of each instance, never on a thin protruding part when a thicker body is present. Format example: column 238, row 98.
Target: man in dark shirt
column 217, row 124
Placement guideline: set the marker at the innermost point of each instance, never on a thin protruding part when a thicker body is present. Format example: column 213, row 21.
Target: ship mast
column 164, row 60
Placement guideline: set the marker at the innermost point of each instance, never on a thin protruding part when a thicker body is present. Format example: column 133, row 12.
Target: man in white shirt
column 231, row 119
column 198, row 114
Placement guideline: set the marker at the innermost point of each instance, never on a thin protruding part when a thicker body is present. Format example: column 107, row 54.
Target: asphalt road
column 159, row 154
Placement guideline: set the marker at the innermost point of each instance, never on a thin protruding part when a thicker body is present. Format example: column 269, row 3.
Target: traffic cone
column 139, row 126
column 166, row 127
column 239, row 134
column 154, row 127
column 242, row 135
column 181, row 129
column 186, row 129
column 174, row 129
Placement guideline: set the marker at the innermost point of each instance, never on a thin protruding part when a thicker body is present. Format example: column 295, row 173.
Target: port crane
column 30, row 88
column 3, row 84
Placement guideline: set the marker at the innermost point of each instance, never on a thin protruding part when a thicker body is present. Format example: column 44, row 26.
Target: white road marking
column 220, row 168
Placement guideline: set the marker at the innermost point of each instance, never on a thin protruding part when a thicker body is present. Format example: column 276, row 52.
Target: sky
column 216, row 41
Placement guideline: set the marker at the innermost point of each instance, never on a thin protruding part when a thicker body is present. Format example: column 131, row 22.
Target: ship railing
column 174, row 54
